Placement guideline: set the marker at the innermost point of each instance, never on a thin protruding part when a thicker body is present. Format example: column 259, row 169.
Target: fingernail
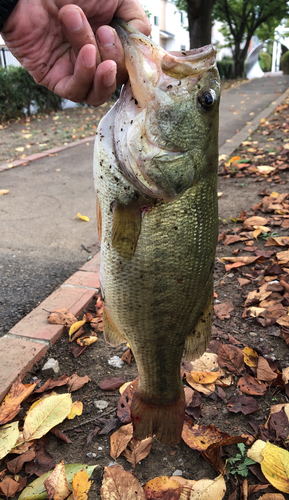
column 109, row 78
column 106, row 36
column 72, row 20
column 89, row 56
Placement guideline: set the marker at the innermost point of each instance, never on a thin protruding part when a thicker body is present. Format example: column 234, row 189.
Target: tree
column 200, row 20
column 242, row 18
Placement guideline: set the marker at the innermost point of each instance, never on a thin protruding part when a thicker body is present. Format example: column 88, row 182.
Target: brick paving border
column 29, row 340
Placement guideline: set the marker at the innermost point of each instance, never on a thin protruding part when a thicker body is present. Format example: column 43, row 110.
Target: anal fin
column 197, row 341
column 111, row 333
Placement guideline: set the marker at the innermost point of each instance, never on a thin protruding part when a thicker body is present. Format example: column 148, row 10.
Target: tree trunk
column 200, row 22
column 239, row 61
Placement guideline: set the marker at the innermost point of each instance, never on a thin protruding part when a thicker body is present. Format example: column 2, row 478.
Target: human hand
column 69, row 50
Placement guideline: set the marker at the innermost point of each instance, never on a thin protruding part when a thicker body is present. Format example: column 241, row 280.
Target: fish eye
column 207, row 99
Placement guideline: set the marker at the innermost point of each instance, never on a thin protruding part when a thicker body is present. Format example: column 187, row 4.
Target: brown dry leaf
column 124, row 404
column 20, row 446
column 9, row 487
column 264, row 372
column 127, row 356
column 201, row 437
column 223, row 310
column 50, row 384
column 208, row 362
column 245, row 259
column 276, row 409
column 243, row 281
column 75, row 382
column 137, row 450
column 111, row 383
column 283, row 257
column 249, row 385
column 56, row 484
column 205, row 489
column 231, row 357
column 119, row 440
column 255, row 221
column 119, row 484
column 42, row 463
column 231, row 238
column 62, row 317
column 11, row 404
column 243, row 404
column 81, row 485
column 283, row 321
column 163, row 488
column 86, row 341
column 257, row 295
column 250, row 356
column 17, row 463
column 60, row 435
column 272, row 496
column 285, row 375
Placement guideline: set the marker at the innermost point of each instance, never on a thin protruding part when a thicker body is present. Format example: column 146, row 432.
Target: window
column 156, row 20
column 182, row 18
column 183, row 47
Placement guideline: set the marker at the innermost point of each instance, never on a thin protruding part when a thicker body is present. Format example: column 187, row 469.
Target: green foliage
column 265, row 61
column 225, row 67
column 241, row 468
column 18, row 91
column 285, row 63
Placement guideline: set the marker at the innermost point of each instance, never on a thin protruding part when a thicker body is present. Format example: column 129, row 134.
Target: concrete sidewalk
column 42, row 245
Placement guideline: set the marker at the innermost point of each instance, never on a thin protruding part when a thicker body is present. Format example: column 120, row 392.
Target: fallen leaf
column 36, row 489
column 163, row 488
column 119, row 440
column 264, row 372
column 206, row 489
column 11, row 404
column 75, row 326
column 231, row 238
column 82, row 217
column 9, row 487
column 86, row 341
column 4, row 191
column 42, row 463
column 9, row 434
column 60, row 435
column 255, row 221
column 276, row 409
column 265, row 169
column 231, row 357
column 111, row 383
column 80, row 485
column 243, row 404
column 45, row 415
column 274, row 463
column 50, row 384
column 124, row 404
column 17, row 463
column 127, row 356
column 119, row 484
column 285, row 375
column 56, row 484
column 223, row 310
column 249, row 385
column 201, row 437
column 205, row 377
column 279, row 423
column 250, row 357
column 76, row 410
column 137, row 450
column 75, row 382
column 62, row 317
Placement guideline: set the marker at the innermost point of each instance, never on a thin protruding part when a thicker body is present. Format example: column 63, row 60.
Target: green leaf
column 36, row 490
column 9, row 434
column 48, row 413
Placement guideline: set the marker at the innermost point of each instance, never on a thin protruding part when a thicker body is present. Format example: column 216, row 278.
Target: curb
column 37, row 156
column 29, row 340
column 231, row 144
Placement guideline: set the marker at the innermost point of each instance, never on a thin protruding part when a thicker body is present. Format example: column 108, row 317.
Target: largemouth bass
column 155, row 171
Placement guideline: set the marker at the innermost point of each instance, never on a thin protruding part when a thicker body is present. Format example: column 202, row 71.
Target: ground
column 239, row 188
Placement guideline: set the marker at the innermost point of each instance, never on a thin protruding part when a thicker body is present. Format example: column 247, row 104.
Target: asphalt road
column 41, row 244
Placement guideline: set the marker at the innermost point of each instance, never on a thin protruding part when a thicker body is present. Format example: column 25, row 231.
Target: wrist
column 6, row 8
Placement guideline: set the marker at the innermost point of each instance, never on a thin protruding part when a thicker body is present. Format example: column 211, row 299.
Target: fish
column 155, row 174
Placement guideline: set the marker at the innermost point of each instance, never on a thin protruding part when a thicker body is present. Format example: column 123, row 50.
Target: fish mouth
column 149, row 65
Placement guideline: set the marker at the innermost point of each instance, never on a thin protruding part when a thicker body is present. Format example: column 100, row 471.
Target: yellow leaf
column 84, row 341
column 20, row 149
column 265, row 169
column 81, row 485
column 9, row 434
column 124, row 386
column 46, row 415
column 250, row 356
column 205, row 377
column 11, row 404
column 4, row 191
column 161, row 485
column 82, row 217
column 234, row 158
column 205, row 489
column 274, row 463
column 27, row 136
column 75, row 326
column 76, row 409
column 56, row 484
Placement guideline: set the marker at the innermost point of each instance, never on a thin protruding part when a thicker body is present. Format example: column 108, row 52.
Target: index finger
column 133, row 13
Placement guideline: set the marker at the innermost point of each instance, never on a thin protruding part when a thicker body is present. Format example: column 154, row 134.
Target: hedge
column 285, row 63
column 225, row 67
column 265, row 61
column 18, row 92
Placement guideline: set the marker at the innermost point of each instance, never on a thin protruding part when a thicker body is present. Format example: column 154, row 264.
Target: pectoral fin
column 198, row 340
column 126, row 228
column 111, row 333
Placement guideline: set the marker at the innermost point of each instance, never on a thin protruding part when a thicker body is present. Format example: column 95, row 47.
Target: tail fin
column 164, row 421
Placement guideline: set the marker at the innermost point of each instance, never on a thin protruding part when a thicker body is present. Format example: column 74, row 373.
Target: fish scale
column 157, row 253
